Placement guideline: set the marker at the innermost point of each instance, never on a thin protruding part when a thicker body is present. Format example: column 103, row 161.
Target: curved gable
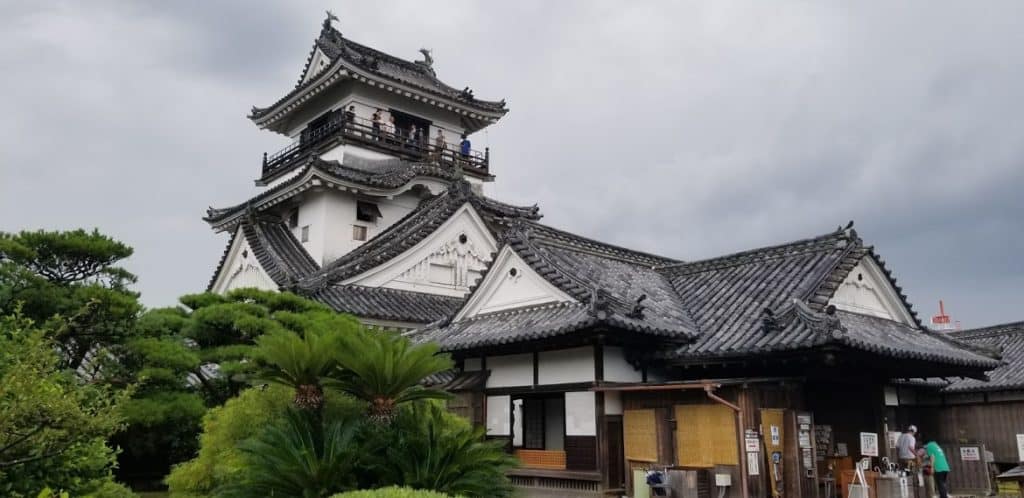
column 866, row 290
column 447, row 262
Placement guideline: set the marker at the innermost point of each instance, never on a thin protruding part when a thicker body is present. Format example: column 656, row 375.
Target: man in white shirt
column 906, row 447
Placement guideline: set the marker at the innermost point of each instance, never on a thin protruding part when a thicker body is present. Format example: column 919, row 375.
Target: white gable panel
column 447, row 262
column 868, row 291
column 317, row 64
column 242, row 269
column 510, row 284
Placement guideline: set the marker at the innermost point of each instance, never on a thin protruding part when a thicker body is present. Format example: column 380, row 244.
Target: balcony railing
column 363, row 132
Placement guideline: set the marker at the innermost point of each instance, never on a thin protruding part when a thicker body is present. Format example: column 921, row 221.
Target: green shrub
column 392, row 492
column 220, row 461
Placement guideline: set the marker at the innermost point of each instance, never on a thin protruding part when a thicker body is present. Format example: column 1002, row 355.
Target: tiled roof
column 453, row 380
column 388, row 304
column 1006, row 339
column 413, row 228
column 726, row 296
column 278, row 251
column 613, row 287
column 383, row 174
column 345, row 53
column 534, row 323
column 733, row 298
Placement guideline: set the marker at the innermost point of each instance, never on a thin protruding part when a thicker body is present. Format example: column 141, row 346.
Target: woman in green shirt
column 940, row 467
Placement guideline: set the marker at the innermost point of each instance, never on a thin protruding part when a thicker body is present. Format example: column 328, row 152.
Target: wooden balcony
column 363, row 133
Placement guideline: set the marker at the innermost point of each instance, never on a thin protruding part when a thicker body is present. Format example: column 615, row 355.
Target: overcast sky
column 685, row 129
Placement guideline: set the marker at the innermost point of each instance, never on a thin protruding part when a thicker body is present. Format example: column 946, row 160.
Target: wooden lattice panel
column 640, row 435
column 706, row 435
column 542, row 459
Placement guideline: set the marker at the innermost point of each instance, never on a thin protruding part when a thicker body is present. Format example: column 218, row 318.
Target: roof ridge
column 761, row 253
column 602, row 245
column 1001, row 329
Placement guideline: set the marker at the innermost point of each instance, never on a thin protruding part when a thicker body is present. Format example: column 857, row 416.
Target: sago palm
column 298, row 361
column 429, row 448
column 301, row 456
column 385, row 370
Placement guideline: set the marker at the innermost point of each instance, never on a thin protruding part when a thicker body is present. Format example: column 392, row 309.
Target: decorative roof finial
column 330, row 17
column 428, row 60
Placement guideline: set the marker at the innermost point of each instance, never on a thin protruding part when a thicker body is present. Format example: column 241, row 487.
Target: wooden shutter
column 640, row 434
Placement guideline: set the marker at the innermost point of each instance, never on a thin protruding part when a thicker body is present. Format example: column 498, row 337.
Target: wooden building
column 751, row 372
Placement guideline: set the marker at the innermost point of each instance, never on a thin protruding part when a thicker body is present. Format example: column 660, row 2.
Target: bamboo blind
column 706, row 435
column 640, row 435
column 542, row 459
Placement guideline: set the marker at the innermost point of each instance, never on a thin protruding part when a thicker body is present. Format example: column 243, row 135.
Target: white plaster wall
column 580, row 414
column 340, row 216
column 616, row 369
column 498, row 416
column 312, row 213
column 510, row 370
column 566, row 365
column 612, row 403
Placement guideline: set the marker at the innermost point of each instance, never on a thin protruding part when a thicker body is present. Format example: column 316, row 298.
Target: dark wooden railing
column 363, row 132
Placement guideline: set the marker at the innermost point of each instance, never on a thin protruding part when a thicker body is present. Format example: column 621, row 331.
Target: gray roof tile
column 388, row 304
column 1008, row 341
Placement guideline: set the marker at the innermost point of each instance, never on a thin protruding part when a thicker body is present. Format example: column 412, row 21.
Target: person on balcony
column 390, row 130
column 377, row 122
column 415, row 136
column 350, row 117
column 439, row 146
column 464, row 147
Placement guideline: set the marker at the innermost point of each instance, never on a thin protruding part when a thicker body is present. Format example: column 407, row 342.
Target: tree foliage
column 53, row 428
column 391, row 492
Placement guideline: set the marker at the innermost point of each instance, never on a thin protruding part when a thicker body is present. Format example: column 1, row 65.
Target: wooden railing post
column 487, row 156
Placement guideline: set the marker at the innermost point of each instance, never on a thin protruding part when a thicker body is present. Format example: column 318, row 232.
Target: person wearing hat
column 906, row 447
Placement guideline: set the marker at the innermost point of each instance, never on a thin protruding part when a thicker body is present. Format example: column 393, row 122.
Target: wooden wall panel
column 581, row 452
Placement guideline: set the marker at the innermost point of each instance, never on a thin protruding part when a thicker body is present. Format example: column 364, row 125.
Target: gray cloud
column 689, row 130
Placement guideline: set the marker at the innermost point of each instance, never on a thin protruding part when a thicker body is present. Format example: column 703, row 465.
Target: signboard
column 808, row 458
column 752, row 468
column 752, row 444
column 1020, row 447
column 804, row 439
column 894, row 438
column 803, row 419
column 823, row 441
column 869, row 444
column 970, row 454
column 841, row 450
column 776, row 438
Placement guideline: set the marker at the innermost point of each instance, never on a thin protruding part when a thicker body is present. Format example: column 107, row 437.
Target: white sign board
column 869, row 444
column 970, row 454
column 1020, row 447
column 841, row 450
column 752, row 468
column 894, row 438
column 752, row 445
column 776, row 436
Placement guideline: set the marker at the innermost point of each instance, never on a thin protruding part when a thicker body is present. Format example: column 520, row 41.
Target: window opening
column 358, row 232
column 367, row 211
column 305, row 234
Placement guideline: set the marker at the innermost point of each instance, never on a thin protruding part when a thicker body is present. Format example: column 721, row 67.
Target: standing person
column 940, row 467
column 906, row 447
column 464, row 147
column 439, row 145
column 377, row 122
column 390, row 127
